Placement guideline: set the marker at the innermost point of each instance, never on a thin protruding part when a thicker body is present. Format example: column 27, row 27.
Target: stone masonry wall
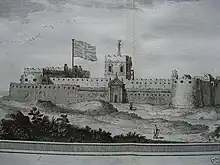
column 154, row 97
column 203, row 93
column 217, row 93
column 149, row 84
column 82, row 82
column 59, row 94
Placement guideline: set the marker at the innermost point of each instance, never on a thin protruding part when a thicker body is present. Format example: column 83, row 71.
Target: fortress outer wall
column 59, row 94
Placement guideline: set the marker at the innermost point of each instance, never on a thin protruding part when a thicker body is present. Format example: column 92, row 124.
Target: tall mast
column 119, row 47
column 133, row 33
column 133, row 28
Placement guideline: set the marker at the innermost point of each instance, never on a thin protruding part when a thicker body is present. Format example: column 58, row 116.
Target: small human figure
column 80, row 70
column 76, row 71
column 131, row 106
column 156, row 132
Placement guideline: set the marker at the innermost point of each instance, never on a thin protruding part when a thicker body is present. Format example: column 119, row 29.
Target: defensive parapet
column 76, row 72
column 33, row 70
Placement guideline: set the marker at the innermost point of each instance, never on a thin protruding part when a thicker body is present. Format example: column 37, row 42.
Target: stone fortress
column 63, row 85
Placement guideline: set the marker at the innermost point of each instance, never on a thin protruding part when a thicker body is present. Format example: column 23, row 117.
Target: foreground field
column 175, row 124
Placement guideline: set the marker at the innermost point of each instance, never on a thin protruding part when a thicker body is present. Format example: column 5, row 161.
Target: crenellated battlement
column 37, row 70
column 115, row 58
column 82, row 82
column 55, row 68
column 33, row 70
column 41, row 86
column 149, row 83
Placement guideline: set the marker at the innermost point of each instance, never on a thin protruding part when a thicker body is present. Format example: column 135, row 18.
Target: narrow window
column 122, row 68
column 110, row 68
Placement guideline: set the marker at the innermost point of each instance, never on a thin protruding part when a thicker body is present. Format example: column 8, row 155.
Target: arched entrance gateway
column 116, row 91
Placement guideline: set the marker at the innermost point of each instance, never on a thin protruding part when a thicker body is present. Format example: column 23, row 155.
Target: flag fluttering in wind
column 83, row 50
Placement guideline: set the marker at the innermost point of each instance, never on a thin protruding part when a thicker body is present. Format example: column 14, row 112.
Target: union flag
column 84, row 50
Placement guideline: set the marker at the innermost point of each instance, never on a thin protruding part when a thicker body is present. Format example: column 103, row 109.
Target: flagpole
column 72, row 59
column 133, row 31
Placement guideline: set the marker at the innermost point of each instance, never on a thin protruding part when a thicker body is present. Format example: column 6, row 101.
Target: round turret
column 184, row 92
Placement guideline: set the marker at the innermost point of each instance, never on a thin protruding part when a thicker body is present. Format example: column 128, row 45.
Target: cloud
column 107, row 4
column 183, row 36
column 18, row 9
column 184, row 0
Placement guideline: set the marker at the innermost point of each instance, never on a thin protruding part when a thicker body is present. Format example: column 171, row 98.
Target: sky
column 169, row 34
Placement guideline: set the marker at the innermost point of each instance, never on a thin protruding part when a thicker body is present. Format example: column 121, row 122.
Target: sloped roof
column 115, row 82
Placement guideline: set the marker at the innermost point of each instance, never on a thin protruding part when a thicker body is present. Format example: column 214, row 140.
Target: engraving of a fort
column 110, row 71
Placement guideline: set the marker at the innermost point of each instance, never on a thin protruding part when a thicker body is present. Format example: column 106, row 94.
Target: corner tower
column 118, row 65
column 184, row 92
